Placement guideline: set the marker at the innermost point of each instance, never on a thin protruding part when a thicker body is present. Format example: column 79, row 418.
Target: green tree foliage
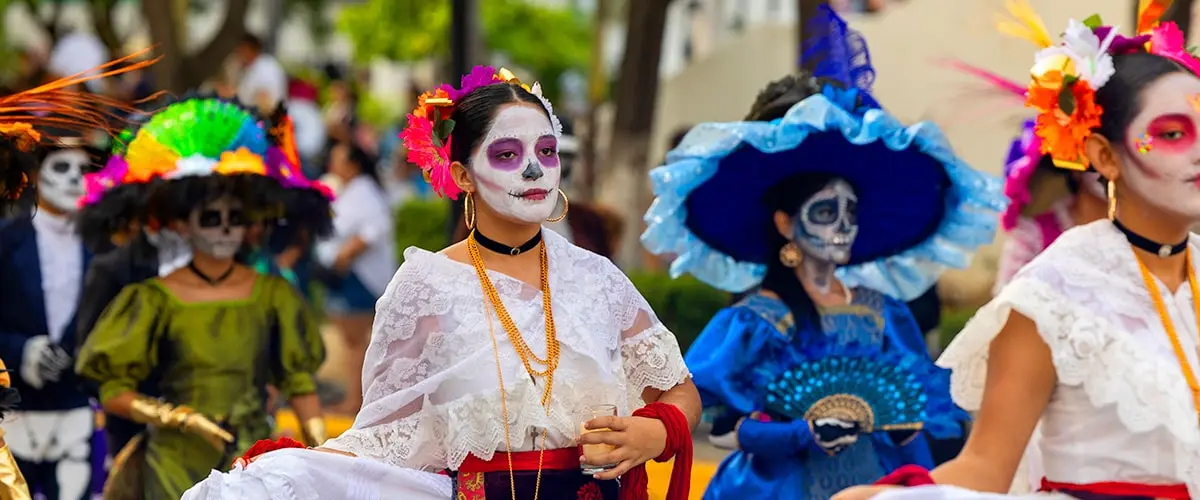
column 545, row 40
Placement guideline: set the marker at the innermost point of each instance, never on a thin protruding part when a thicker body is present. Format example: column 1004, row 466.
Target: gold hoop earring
column 790, row 255
column 566, row 208
column 469, row 211
column 1112, row 200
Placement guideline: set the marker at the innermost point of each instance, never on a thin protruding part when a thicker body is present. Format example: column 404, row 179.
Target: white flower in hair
column 536, row 90
column 1087, row 51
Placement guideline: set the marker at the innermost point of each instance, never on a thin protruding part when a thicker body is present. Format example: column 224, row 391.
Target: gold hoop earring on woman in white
column 469, row 211
column 566, row 207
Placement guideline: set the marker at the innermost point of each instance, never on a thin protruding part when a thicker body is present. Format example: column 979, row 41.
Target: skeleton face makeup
column 517, row 167
column 60, row 179
column 825, row 226
column 1167, row 175
column 218, row 228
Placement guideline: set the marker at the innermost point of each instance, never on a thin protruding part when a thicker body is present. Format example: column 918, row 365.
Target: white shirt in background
column 362, row 210
column 264, row 74
column 60, row 255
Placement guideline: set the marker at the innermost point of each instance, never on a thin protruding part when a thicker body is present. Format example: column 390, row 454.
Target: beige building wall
column 908, row 46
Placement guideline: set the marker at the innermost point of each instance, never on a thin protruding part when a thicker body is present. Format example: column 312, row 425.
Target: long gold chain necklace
column 552, row 353
column 1161, row 307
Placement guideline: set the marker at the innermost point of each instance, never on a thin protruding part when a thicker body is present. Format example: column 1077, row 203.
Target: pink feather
column 993, row 79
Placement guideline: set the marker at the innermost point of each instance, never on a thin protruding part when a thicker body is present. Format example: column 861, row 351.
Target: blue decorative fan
column 880, row 391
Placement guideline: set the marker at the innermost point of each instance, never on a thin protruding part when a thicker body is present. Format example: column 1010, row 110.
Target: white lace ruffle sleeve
column 431, row 385
column 1122, row 410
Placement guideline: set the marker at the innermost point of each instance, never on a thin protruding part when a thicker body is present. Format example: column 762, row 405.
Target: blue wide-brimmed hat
column 921, row 209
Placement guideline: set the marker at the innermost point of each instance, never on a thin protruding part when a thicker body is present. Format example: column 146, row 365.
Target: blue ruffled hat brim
column 921, row 208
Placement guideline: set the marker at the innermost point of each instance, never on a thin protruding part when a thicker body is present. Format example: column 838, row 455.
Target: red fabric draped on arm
column 909, row 475
column 635, row 484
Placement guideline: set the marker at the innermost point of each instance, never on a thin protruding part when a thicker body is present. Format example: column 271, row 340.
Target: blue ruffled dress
column 747, row 346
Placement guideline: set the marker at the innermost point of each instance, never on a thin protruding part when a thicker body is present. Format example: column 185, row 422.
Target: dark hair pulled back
column 473, row 115
column 1121, row 96
column 789, row 195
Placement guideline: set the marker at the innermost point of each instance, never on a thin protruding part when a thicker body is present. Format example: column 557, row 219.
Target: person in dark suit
column 42, row 263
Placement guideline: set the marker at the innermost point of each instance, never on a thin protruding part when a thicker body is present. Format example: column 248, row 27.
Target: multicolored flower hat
column 197, row 138
column 921, row 208
column 1066, row 74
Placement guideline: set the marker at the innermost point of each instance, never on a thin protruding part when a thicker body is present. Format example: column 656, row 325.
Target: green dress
column 216, row 357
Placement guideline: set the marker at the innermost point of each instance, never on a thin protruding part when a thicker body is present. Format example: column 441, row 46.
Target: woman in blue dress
column 832, row 214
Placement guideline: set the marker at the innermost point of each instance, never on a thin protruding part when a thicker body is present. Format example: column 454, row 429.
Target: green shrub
column 684, row 305
column 953, row 321
column 422, row 223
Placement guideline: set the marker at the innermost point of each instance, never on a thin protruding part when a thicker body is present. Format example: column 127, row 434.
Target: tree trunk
column 589, row 153
column 636, row 97
column 805, row 11
column 465, row 52
column 179, row 72
column 102, row 22
column 275, row 18
column 161, row 19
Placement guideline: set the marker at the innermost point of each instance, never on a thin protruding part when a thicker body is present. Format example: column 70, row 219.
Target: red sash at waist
column 557, row 459
column 1171, row 491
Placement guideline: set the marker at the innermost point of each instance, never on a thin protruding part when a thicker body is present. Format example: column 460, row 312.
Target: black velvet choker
column 503, row 249
column 211, row 281
column 1149, row 245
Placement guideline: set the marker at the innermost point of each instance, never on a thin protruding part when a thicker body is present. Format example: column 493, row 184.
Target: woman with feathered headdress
column 206, row 339
column 1086, row 360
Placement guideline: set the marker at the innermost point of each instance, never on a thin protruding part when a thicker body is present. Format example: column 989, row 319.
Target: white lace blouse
column 430, row 380
column 1122, row 410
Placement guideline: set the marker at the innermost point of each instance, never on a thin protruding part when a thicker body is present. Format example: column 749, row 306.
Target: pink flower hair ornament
column 1167, row 41
column 428, row 135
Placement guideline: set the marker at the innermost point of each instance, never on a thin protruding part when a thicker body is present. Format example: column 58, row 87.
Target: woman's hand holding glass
column 612, row 445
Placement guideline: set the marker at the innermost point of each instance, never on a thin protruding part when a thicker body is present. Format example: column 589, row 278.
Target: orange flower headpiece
column 431, row 125
column 1066, row 75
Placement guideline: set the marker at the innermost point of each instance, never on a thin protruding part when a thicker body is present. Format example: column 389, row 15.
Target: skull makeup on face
column 1168, row 174
column 825, row 226
column 218, row 228
column 517, row 167
column 60, row 179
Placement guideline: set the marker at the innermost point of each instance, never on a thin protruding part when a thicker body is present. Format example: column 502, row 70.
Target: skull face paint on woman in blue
column 824, row 230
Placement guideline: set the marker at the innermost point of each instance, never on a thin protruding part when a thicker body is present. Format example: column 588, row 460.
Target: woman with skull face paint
column 207, row 338
column 833, row 214
column 1094, row 343
column 51, row 436
column 485, row 356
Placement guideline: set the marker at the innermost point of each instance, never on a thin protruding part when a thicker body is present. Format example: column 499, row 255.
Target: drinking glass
column 589, row 451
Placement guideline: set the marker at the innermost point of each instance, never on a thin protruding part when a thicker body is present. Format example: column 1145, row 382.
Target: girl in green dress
column 207, row 339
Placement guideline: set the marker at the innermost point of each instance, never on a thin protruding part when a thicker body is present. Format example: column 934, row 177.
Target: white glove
column 834, row 435
column 43, row 362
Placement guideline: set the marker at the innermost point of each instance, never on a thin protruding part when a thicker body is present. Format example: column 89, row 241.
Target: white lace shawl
column 430, row 388
column 1118, row 378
